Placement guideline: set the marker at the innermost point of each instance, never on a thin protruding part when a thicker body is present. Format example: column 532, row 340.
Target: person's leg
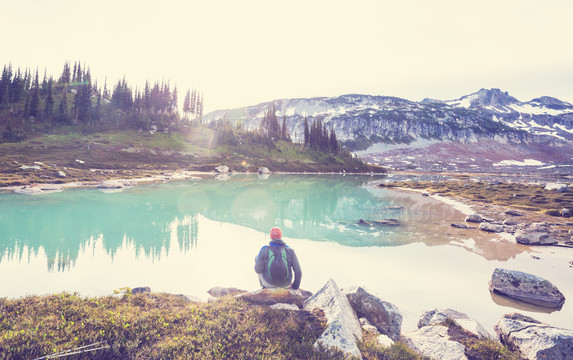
column 265, row 284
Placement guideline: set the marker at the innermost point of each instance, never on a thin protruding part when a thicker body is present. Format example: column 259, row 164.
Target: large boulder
column 440, row 316
column 533, row 339
column 343, row 329
column 276, row 296
column 383, row 315
column 534, row 238
column 264, row 171
column 434, row 342
column 526, row 287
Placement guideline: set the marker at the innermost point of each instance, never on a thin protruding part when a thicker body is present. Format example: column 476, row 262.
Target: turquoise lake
column 191, row 235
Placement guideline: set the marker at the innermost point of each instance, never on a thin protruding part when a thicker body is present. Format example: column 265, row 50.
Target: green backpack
column 278, row 269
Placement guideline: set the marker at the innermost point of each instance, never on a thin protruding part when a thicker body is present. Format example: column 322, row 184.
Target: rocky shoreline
column 441, row 333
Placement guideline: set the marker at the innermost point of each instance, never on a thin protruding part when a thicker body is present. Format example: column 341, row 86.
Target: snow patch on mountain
column 526, row 162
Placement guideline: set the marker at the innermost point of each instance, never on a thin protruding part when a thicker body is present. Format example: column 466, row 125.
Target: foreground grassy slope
column 131, row 153
column 162, row 326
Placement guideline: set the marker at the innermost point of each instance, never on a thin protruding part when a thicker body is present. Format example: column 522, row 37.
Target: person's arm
column 297, row 271
column 260, row 261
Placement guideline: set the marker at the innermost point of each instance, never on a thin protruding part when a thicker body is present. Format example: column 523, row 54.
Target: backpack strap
column 285, row 260
column 271, row 259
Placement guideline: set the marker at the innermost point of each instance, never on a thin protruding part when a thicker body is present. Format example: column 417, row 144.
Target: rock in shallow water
column 526, row 287
column 534, row 238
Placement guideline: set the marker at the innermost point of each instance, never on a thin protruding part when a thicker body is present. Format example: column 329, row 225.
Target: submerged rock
column 533, row 339
column 385, row 222
column 461, row 226
column 343, row 328
column 526, row 287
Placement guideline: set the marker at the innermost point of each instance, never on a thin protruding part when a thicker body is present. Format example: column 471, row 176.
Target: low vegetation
column 165, row 326
column 134, row 154
column 162, row 326
column 516, row 195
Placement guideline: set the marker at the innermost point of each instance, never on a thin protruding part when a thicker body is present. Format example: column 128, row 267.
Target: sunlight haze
column 241, row 53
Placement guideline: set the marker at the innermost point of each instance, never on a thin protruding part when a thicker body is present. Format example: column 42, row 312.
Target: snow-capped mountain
column 366, row 123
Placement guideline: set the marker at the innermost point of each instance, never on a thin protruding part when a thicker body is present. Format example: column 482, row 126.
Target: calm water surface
column 188, row 236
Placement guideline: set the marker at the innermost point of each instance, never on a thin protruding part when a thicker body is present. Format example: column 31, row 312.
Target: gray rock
column 276, row 296
column 222, row 169
column 29, row 190
column 538, row 226
column 461, row 226
column 141, row 290
column 439, row 316
column 509, row 222
column 526, row 287
column 533, row 339
column 487, row 227
column 223, row 291
column 384, row 222
column 264, row 170
column 282, row 306
column 513, row 212
column 474, row 218
column 534, row 238
column 343, row 328
column 383, row 315
column 111, row 184
column 557, row 187
column 434, row 342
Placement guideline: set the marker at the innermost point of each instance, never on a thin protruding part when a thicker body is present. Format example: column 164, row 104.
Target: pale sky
column 243, row 52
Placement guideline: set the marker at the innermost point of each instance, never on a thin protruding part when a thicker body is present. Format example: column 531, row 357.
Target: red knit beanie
column 276, row 233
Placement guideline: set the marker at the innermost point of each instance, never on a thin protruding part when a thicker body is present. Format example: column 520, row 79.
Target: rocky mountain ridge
column 375, row 126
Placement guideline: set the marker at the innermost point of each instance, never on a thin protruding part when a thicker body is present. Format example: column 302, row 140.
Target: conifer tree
column 65, row 78
column 49, row 108
column 34, row 109
column 187, row 103
column 334, row 148
column 193, row 103
column 284, row 130
column 306, row 133
column 63, row 116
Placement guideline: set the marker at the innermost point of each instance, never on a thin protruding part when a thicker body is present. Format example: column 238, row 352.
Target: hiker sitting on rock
column 276, row 264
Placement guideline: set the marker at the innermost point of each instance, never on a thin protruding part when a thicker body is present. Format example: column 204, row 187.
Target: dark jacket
column 262, row 260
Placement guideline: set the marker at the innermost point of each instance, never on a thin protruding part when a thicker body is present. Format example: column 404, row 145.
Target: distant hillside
column 372, row 126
